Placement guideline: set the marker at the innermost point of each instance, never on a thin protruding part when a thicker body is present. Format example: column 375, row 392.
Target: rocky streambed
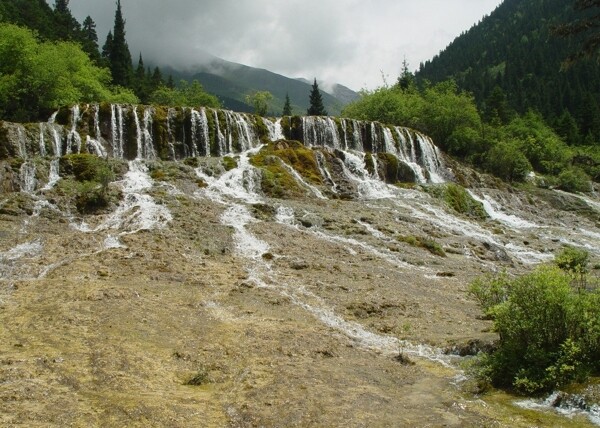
column 196, row 299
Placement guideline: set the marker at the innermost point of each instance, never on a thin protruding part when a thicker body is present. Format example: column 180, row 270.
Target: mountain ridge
column 231, row 82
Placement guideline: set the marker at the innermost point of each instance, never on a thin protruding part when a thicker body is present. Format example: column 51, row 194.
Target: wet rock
column 471, row 347
column 299, row 264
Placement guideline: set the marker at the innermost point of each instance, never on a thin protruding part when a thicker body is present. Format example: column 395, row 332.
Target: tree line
column 48, row 59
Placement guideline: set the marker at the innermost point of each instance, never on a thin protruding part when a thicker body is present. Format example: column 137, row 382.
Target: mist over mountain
column 231, row 82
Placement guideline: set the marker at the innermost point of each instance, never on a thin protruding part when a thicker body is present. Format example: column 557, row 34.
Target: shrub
column 549, row 333
column 574, row 180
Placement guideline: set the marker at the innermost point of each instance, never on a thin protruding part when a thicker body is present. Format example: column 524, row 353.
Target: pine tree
column 90, row 39
column 107, row 48
column 406, row 78
column 287, row 107
column 66, row 26
column 120, row 57
column 316, row 102
column 140, row 81
column 586, row 25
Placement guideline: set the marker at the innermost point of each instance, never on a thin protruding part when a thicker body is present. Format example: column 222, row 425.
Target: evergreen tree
column 316, row 102
column 90, row 39
column 120, row 57
column 66, row 26
column 287, row 107
column 107, row 48
column 406, row 79
column 587, row 25
column 140, row 84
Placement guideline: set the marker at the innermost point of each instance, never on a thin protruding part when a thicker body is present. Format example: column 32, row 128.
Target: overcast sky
column 351, row 42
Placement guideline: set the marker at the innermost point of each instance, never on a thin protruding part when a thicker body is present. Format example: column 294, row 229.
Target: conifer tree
column 586, row 25
column 119, row 55
column 90, row 39
column 66, row 26
column 406, row 78
column 107, row 48
column 316, row 102
column 287, row 107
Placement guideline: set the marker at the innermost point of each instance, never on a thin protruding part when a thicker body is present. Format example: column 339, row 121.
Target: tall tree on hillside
column 406, row 78
column 588, row 26
column 119, row 55
column 316, row 102
column 107, row 48
column 287, row 107
column 66, row 26
column 90, row 39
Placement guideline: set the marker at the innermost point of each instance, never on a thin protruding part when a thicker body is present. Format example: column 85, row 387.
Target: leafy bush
column 574, row 180
column 549, row 332
column 507, row 162
column 37, row 76
column 92, row 176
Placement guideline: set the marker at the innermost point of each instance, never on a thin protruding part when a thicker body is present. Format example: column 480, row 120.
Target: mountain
column 515, row 50
column 231, row 82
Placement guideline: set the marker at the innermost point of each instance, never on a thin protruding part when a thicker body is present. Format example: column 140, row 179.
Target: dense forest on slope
column 514, row 49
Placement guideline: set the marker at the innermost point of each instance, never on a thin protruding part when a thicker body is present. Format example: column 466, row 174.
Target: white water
column 145, row 145
column 239, row 183
column 495, row 211
column 95, row 147
column 43, row 152
column 116, row 126
column 73, row 137
column 54, row 176
column 275, row 129
column 564, row 404
column 300, row 180
column 27, row 177
column 321, row 163
column 137, row 211
column 368, row 188
column 9, row 269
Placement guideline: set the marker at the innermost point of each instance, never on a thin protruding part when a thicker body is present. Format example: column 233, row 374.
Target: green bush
column 507, row 162
column 574, row 180
column 549, row 332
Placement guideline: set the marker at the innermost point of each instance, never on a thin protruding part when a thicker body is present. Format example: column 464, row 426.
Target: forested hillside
column 514, row 55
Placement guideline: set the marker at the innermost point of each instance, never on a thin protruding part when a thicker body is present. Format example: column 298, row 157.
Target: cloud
column 347, row 41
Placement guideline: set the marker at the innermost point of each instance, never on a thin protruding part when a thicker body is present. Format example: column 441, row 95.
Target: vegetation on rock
column 548, row 326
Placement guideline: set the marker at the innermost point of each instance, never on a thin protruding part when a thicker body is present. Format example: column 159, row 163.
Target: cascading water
column 116, row 126
column 27, row 176
column 73, row 137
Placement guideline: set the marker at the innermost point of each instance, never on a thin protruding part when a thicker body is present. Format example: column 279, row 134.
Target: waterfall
column 93, row 146
column 220, row 136
column 321, row 131
column 275, row 129
column 22, row 142
column 27, row 177
column 116, row 127
column 171, row 115
column 175, row 133
column 73, row 137
column 195, row 119
column 145, row 147
column 430, row 158
column 321, row 163
column 43, row 152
